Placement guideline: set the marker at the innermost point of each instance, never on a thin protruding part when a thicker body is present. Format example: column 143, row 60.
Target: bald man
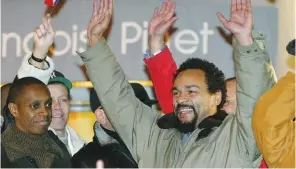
column 230, row 105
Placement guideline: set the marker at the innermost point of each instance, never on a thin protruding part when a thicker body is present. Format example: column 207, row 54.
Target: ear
column 100, row 115
column 13, row 109
column 216, row 98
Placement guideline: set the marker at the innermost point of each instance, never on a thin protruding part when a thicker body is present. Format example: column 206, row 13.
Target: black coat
column 28, row 162
column 114, row 155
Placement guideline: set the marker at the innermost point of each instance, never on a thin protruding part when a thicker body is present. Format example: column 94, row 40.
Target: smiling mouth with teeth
column 57, row 116
column 184, row 110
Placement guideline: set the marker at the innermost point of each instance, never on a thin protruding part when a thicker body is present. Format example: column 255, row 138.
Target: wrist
column 39, row 65
column 156, row 44
column 93, row 40
column 244, row 40
column 39, row 54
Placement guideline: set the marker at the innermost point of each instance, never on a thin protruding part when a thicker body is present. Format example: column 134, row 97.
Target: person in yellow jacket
column 274, row 124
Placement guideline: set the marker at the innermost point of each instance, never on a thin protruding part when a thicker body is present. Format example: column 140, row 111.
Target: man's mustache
column 181, row 106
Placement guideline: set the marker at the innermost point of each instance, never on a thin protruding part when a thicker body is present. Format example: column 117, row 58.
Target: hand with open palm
column 161, row 21
column 241, row 21
column 99, row 21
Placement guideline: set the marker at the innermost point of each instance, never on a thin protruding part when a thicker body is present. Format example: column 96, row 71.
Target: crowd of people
column 247, row 121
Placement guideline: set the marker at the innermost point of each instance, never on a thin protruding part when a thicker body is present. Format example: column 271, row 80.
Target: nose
column 43, row 111
column 55, row 105
column 182, row 98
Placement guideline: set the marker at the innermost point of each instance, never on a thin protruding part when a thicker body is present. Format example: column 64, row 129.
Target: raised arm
column 254, row 72
column 37, row 64
column 132, row 120
column 161, row 69
column 273, row 125
column 159, row 60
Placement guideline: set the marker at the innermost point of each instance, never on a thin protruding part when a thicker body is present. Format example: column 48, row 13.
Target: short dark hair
column 68, row 90
column 18, row 85
column 14, row 92
column 215, row 78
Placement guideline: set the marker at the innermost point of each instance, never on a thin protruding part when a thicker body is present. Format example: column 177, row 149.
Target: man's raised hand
column 161, row 21
column 241, row 21
column 99, row 21
column 43, row 38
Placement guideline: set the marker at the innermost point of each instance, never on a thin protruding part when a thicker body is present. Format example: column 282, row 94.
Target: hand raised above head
column 100, row 20
column 159, row 24
column 240, row 22
column 43, row 38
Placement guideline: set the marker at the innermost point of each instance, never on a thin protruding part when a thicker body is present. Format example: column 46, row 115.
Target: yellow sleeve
column 273, row 125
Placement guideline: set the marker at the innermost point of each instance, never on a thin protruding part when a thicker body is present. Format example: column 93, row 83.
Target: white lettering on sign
column 185, row 41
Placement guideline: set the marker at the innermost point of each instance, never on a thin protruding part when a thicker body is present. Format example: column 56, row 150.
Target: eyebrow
column 187, row 87
column 38, row 101
column 61, row 96
column 190, row 86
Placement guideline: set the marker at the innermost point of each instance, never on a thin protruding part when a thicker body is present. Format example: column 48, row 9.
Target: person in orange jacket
column 274, row 121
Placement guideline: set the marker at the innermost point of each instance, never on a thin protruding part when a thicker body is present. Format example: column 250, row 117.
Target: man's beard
column 186, row 127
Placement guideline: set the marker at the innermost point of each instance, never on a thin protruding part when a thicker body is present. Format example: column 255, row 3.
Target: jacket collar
column 102, row 137
column 206, row 126
column 75, row 143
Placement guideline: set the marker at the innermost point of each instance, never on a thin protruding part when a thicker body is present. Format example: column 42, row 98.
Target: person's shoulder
column 91, row 148
column 52, row 135
column 87, row 156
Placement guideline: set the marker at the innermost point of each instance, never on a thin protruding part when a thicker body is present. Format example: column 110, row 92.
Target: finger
column 50, row 28
column 35, row 35
column 163, row 8
column 233, row 5
column 238, row 5
column 167, row 7
column 170, row 13
column 110, row 6
column 155, row 12
column 108, row 16
column 39, row 33
column 243, row 4
column 170, row 22
column 222, row 18
column 105, row 5
column 48, row 15
column 172, row 7
column 101, row 7
column 248, row 5
column 95, row 7
column 45, row 23
column 42, row 29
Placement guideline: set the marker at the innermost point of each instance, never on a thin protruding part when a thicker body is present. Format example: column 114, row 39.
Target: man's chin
column 185, row 121
column 186, row 127
column 57, row 126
